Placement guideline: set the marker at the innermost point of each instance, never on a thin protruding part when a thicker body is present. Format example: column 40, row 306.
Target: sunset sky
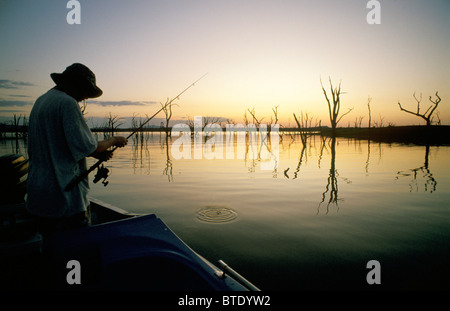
column 258, row 54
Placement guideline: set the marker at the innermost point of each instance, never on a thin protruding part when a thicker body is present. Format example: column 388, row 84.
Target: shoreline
column 413, row 134
column 408, row 134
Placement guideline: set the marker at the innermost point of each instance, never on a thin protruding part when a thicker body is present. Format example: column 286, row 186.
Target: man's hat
column 80, row 75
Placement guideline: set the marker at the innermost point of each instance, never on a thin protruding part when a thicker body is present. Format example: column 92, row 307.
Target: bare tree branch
column 275, row 114
column 427, row 116
column 349, row 110
column 334, row 109
column 253, row 114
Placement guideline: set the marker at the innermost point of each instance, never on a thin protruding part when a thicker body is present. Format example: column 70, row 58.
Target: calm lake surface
column 314, row 222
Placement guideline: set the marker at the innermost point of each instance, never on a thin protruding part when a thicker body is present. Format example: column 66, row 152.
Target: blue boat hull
column 137, row 253
column 121, row 251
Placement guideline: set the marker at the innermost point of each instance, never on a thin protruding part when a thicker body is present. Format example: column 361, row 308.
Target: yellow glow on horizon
column 230, row 97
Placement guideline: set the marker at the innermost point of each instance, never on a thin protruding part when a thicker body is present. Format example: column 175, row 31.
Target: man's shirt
column 58, row 143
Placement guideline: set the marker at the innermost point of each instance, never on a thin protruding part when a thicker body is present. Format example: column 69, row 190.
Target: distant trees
column 273, row 119
column 428, row 114
column 20, row 129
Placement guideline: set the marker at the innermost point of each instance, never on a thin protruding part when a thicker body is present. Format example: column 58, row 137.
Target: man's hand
column 102, row 152
column 119, row 141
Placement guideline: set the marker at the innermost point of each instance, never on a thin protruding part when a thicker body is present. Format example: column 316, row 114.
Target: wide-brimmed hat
column 80, row 75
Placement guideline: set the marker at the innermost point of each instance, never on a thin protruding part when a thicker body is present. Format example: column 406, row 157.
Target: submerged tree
column 369, row 99
column 255, row 119
column 274, row 118
column 167, row 109
column 335, row 106
column 111, row 124
column 304, row 125
column 428, row 114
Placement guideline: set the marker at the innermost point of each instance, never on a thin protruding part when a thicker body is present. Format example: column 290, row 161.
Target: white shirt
column 59, row 141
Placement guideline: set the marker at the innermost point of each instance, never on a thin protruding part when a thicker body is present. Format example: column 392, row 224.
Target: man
column 59, row 142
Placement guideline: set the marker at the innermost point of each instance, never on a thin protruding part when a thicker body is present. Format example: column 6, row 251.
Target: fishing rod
column 104, row 171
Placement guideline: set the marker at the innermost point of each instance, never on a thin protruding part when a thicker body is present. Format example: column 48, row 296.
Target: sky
column 257, row 54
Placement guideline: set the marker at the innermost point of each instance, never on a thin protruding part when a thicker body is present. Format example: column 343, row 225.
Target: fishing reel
column 102, row 173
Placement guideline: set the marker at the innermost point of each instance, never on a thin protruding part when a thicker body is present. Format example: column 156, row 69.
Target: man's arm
column 102, row 147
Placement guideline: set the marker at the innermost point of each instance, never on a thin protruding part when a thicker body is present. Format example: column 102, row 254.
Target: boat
column 119, row 250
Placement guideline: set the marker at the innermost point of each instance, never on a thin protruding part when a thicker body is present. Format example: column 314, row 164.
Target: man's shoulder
column 55, row 102
column 54, row 94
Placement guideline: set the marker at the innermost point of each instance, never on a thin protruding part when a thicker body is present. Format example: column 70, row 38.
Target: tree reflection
column 331, row 188
column 140, row 152
column 424, row 172
column 141, row 157
column 330, row 195
column 168, row 170
column 368, row 157
column 300, row 161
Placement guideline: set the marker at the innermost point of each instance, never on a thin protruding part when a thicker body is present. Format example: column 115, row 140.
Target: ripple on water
column 216, row 214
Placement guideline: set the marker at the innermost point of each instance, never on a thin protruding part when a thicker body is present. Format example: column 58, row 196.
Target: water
column 313, row 223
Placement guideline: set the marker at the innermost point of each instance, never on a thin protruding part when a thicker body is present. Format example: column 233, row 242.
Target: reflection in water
column 330, row 196
column 331, row 189
column 300, row 161
column 308, row 143
column 274, row 222
column 14, row 143
column 140, row 154
column 420, row 172
column 332, row 183
column 250, row 150
column 168, row 170
column 368, row 157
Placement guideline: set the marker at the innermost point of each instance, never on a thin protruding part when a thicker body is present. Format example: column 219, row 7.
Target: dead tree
column 369, row 99
column 358, row 121
column 427, row 115
column 274, row 118
column 246, row 121
column 111, row 124
column 167, row 109
column 303, row 126
column 334, row 108
column 253, row 114
column 274, row 121
column 209, row 120
column 190, row 122
column 20, row 131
